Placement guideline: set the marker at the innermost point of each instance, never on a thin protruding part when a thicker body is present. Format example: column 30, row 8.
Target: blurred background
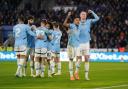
column 110, row 32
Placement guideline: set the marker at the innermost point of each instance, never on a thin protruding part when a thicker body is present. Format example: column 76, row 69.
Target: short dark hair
column 51, row 25
column 30, row 17
column 44, row 21
column 85, row 10
column 21, row 18
column 56, row 25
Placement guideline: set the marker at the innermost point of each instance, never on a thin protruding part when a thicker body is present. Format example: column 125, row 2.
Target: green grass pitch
column 102, row 75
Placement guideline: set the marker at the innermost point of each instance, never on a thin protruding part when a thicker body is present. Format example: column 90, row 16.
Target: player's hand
column 69, row 13
column 90, row 11
column 40, row 37
column 50, row 37
column 33, row 27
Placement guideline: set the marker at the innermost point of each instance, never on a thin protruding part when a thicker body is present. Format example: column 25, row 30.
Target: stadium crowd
column 110, row 32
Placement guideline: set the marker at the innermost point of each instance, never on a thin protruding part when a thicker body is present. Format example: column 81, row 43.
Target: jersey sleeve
column 96, row 17
column 29, row 31
column 70, row 25
column 60, row 33
column 47, row 32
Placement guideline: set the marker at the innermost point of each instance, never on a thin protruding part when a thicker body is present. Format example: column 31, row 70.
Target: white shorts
column 85, row 49
column 40, row 52
column 73, row 51
column 55, row 54
column 30, row 51
column 21, row 50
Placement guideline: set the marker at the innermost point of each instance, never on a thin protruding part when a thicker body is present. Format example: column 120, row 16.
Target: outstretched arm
column 96, row 18
column 66, row 24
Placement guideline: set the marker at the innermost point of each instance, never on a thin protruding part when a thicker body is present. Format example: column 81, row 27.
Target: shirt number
column 18, row 30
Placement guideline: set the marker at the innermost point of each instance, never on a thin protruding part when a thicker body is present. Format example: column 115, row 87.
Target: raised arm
column 96, row 18
column 66, row 24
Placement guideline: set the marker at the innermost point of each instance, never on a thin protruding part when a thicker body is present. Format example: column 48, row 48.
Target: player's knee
column 37, row 65
column 58, row 60
column 36, row 59
column 18, row 56
column 32, row 57
column 86, row 58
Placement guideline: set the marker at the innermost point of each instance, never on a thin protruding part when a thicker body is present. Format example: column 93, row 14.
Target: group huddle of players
column 42, row 45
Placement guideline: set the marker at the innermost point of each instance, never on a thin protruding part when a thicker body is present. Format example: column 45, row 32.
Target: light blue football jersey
column 73, row 38
column 85, row 27
column 30, row 40
column 56, row 41
column 20, row 32
column 49, row 42
column 41, row 43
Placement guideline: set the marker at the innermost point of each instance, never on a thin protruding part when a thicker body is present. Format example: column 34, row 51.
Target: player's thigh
column 43, row 60
column 71, row 52
column 55, row 56
column 44, row 52
column 85, row 49
column 32, row 51
column 28, row 51
column 16, row 49
column 77, row 51
column 36, row 59
column 57, row 59
column 43, row 55
column 21, row 50
column 37, row 53
column 58, row 55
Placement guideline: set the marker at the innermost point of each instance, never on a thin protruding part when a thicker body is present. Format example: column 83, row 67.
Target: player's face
column 55, row 28
column 77, row 21
column 31, row 21
column 48, row 26
column 83, row 15
column 43, row 24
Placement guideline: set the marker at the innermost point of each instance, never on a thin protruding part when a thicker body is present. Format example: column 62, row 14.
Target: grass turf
column 102, row 75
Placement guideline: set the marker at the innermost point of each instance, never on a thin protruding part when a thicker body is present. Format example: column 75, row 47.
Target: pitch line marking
column 118, row 86
column 111, row 87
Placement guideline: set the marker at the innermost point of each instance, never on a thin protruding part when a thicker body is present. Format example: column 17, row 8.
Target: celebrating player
column 30, row 47
column 40, row 50
column 84, row 27
column 49, row 47
column 56, row 37
column 73, row 44
column 20, row 32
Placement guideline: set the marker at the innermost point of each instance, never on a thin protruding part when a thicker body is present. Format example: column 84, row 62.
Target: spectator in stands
column 105, row 33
